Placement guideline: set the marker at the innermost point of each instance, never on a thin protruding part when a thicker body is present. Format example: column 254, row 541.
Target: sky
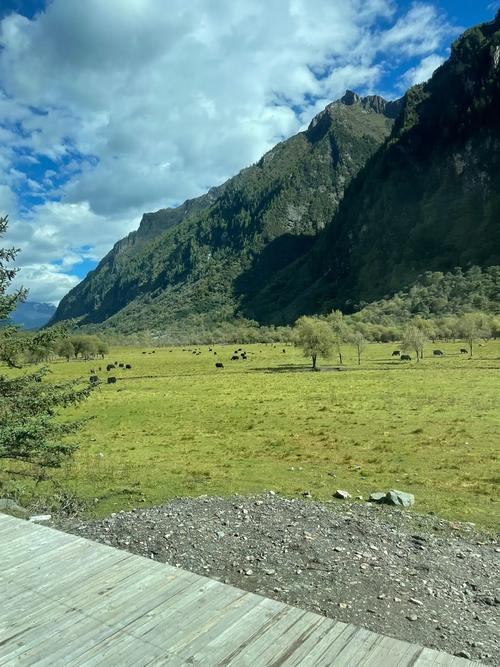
column 111, row 109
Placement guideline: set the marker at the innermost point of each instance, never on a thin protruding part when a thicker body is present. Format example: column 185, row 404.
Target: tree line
column 324, row 336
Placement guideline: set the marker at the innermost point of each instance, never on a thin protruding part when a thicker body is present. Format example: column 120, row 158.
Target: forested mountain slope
column 429, row 200
column 198, row 262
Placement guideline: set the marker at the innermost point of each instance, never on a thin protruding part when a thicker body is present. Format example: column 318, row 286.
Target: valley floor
column 413, row 577
column 175, row 425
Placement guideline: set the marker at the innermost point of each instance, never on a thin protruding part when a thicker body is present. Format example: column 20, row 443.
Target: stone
column 400, row 498
column 412, row 617
column 463, row 654
column 40, row 517
column 343, row 495
column 377, row 497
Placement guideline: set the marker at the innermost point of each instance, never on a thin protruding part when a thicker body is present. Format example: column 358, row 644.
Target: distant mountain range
column 32, row 315
column 371, row 195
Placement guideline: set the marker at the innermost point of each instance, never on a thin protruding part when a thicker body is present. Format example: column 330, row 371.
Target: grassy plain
column 175, row 425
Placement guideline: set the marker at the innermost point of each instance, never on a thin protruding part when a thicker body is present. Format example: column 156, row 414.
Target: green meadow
column 174, row 425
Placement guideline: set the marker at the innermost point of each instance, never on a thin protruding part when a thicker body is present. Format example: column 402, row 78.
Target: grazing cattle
column 100, row 368
column 235, row 357
column 437, row 353
column 111, row 380
column 219, row 364
column 128, row 366
column 92, row 371
column 396, row 353
column 120, row 365
column 144, row 353
column 243, row 356
column 215, row 353
column 284, row 351
column 463, row 351
column 109, row 367
column 93, row 379
column 405, row 357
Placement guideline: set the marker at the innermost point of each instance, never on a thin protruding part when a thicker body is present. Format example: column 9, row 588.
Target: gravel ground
column 414, row 577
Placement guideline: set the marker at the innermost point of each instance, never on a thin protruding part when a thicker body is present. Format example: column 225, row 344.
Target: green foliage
column 473, row 326
column 31, row 435
column 202, row 271
column 428, row 200
column 359, row 342
column 340, row 330
column 414, row 340
column 315, row 338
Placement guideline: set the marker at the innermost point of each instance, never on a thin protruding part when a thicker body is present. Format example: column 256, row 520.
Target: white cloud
column 46, row 283
column 166, row 103
column 424, row 70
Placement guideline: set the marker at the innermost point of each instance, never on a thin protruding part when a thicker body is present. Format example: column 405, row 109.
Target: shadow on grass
column 287, row 368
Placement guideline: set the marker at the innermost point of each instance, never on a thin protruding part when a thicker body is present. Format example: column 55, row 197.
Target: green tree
column 359, row 342
column 31, row 430
column 102, row 348
column 86, row 346
column 413, row 341
column 65, row 349
column 340, row 330
column 472, row 327
column 315, row 338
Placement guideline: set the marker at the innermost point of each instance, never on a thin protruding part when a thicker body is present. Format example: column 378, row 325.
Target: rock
column 463, row 654
column 343, row 495
column 377, row 497
column 400, row 498
column 412, row 617
column 417, row 602
column 40, row 517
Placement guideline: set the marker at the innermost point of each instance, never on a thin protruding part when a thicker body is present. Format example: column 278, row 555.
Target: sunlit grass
column 175, row 425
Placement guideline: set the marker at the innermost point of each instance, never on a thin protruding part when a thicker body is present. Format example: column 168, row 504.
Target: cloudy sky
column 116, row 107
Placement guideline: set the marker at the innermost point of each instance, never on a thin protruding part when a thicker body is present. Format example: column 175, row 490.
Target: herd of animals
column 237, row 355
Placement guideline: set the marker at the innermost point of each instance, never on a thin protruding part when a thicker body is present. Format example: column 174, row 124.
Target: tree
column 413, row 341
column 473, row 326
column 339, row 329
column 315, row 338
column 86, row 346
column 102, row 348
column 65, row 349
column 30, row 426
column 359, row 342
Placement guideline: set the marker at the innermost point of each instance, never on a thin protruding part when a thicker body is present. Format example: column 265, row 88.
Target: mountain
column 372, row 195
column 428, row 200
column 32, row 315
column 195, row 264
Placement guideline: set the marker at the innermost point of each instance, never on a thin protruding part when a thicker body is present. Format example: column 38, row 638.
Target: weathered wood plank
column 67, row 601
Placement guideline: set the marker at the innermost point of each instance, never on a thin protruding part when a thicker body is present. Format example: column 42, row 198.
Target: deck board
column 68, row 601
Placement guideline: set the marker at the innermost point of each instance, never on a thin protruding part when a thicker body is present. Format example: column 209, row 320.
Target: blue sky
column 110, row 109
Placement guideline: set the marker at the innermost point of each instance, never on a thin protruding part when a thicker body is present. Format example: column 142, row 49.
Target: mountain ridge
column 284, row 199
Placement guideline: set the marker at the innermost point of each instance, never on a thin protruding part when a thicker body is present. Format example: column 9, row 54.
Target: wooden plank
column 68, row 601
column 231, row 644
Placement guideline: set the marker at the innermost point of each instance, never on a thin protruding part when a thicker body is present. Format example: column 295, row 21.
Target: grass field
column 175, row 425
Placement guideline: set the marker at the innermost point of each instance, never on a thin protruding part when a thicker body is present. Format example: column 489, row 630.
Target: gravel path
column 413, row 577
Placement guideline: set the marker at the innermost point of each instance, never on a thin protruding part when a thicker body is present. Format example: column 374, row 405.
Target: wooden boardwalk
column 65, row 600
